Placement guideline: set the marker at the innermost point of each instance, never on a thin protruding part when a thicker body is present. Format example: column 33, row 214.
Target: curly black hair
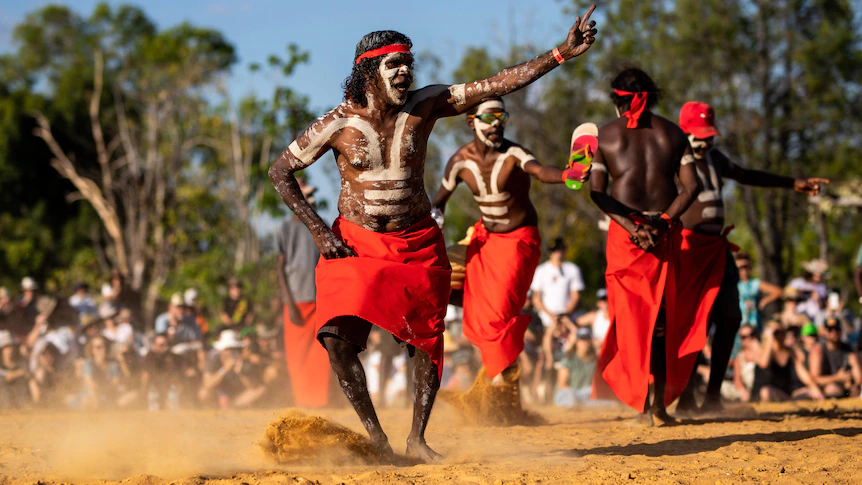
column 354, row 85
column 634, row 80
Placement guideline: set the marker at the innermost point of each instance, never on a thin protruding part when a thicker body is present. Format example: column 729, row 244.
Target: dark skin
column 707, row 217
column 512, row 179
column 644, row 164
column 381, row 161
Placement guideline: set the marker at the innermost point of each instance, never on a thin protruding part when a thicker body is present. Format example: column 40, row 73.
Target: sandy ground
column 808, row 443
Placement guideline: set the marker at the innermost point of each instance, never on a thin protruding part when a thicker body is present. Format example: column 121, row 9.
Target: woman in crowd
column 774, row 379
column 745, row 362
column 754, row 294
column 576, row 369
column 103, row 379
column 597, row 319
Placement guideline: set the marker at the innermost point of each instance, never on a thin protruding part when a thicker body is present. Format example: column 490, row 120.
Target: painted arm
column 304, row 151
column 461, row 97
column 447, row 184
column 545, row 173
column 758, row 178
column 771, row 293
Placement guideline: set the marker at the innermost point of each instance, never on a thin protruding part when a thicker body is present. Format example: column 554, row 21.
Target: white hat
column 228, row 339
column 29, row 284
column 816, row 266
column 107, row 290
column 6, row 339
column 176, row 299
column 190, row 297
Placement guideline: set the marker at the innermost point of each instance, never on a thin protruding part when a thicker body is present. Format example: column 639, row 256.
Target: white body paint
column 712, row 189
column 480, row 126
column 686, row 159
column 459, row 94
column 490, row 213
column 389, row 75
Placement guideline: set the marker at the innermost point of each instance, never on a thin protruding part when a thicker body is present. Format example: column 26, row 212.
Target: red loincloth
column 701, row 258
column 500, row 268
column 307, row 362
column 636, row 281
column 399, row 281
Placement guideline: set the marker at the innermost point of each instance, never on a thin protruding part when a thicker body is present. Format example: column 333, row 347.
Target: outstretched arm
column 304, row 151
column 462, row 96
column 758, row 178
column 545, row 173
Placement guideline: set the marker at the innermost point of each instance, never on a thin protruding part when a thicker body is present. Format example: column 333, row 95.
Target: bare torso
column 381, row 160
column 642, row 162
column 499, row 185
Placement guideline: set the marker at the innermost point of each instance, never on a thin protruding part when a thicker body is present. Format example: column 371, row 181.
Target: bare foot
column 643, row 420
column 381, row 449
column 662, row 415
column 420, row 450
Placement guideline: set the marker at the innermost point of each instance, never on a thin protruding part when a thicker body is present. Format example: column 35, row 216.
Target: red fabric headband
column 387, row 49
column 637, row 108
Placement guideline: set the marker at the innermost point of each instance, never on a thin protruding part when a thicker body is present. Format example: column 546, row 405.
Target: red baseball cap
column 698, row 119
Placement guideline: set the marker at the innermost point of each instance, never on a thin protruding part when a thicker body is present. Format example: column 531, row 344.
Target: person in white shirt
column 556, row 287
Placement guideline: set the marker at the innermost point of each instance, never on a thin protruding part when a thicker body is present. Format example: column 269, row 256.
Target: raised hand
column 332, row 247
column 809, row 186
column 581, row 36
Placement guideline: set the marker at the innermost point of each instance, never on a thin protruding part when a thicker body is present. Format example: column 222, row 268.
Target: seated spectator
column 14, row 378
column 745, row 362
column 193, row 310
column 790, row 316
column 774, row 379
column 55, row 326
column 812, row 289
column 229, row 378
column 91, row 327
column 82, row 301
column 834, row 366
column 105, row 385
column 189, row 358
column 6, row 304
column 25, row 318
column 754, row 295
column 117, row 330
column 808, row 338
column 46, row 381
column 179, row 326
column 597, row 319
column 160, row 372
column 237, row 310
column 576, row 369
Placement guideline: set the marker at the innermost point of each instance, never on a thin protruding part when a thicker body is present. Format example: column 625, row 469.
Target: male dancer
column 384, row 261
column 643, row 153
column 708, row 288
column 505, row 249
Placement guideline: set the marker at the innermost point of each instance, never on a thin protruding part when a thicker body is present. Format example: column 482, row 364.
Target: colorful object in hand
column 585, row 141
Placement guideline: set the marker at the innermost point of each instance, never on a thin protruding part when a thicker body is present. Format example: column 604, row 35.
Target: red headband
column 637, row 108
column 387, row 49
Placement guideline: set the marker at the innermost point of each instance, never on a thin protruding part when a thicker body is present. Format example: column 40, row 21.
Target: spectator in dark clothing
column 160, row 371
column 780, row 375
column 833, row 365
column 230, row 376
column 237, row 311
column 27, row 309
column 14, row 378
column 47, row 381
column 179, row 326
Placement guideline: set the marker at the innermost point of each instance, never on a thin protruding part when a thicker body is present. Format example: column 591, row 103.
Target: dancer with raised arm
column 384, row 261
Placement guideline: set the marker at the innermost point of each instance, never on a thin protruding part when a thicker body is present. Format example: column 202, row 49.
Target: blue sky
column 329, row 30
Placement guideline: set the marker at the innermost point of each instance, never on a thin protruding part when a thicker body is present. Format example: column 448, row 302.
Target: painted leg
column 425, row 385
column 344, row 358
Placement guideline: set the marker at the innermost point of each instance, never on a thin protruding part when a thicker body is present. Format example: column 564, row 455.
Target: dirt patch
column 489, row 403
column 296, row 438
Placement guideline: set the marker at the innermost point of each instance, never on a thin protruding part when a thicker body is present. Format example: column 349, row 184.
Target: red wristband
column 557, row 55
column 667, row 219
column 564, row 176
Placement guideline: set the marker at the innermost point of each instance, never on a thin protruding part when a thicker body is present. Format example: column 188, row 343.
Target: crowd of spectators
column 90, row 351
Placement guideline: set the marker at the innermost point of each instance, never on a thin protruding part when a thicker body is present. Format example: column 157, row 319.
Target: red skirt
column 500, row 268
column 399, row 281
column 636, row 283
column 307, row 362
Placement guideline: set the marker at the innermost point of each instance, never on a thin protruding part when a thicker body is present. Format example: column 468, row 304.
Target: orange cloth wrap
column 399, row 281
column 307, row 362
column 636, row 282
column 500, row 268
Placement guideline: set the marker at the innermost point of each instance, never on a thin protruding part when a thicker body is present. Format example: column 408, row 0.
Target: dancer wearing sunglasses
column 505, row 248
